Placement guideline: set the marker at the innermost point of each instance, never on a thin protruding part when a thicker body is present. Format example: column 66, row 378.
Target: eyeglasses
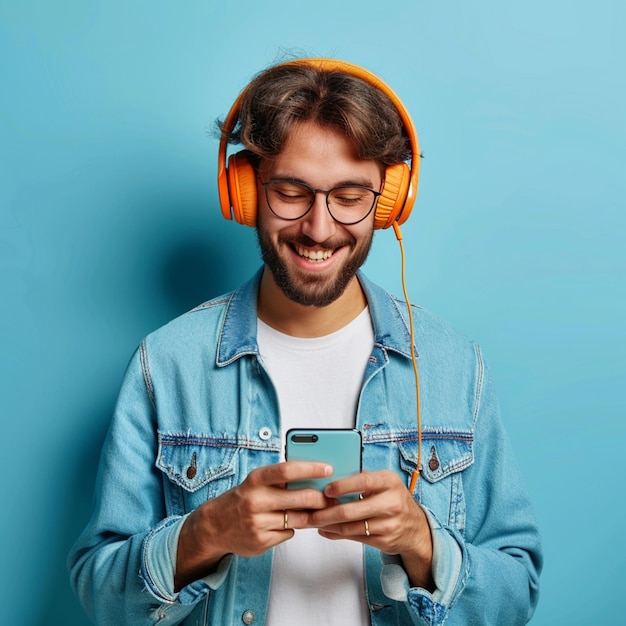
column 347, row 204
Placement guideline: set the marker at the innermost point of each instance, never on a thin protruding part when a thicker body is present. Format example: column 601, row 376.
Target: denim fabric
column 197, row 412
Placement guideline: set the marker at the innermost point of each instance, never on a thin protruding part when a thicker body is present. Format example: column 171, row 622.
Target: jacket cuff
column 447, row 561
column 446, row 567
column 159, row 566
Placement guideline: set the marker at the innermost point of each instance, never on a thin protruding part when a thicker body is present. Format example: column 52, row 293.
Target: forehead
column 320, row 156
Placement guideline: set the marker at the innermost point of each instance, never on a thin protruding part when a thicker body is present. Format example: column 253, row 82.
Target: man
column 193, row 523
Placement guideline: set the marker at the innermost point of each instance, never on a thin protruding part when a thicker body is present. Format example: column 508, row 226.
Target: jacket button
column 248, row 617
column 433, row 464
column 265, row 433
column 192, row 470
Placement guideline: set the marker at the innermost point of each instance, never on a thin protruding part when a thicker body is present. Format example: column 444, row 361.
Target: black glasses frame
column 314, row 192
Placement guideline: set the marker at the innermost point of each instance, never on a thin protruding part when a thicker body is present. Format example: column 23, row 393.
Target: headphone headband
column 403, row 183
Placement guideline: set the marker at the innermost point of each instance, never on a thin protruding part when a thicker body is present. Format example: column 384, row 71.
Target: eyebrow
column 358, row 182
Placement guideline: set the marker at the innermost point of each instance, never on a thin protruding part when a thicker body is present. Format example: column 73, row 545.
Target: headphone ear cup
column 393, row 196
column 242, row 189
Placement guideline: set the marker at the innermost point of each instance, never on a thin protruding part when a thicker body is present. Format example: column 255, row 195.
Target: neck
column 294, row 319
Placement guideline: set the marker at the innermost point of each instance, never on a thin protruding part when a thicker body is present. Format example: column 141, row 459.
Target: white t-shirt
column 318, row 381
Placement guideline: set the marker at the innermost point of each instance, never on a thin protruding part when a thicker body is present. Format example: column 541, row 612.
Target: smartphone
column 339, row 447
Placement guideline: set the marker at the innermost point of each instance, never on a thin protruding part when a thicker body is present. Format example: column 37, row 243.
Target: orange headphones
column 236, row 182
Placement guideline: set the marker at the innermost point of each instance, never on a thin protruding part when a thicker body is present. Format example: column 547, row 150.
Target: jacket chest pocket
column 440, row 488
column 195, row 469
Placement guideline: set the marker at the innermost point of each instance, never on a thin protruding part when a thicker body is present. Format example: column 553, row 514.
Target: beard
column 311, row 288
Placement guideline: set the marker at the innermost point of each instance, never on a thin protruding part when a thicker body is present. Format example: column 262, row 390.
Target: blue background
column 109, row 226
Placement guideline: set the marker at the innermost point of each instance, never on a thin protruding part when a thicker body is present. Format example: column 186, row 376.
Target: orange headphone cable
column 415, row 474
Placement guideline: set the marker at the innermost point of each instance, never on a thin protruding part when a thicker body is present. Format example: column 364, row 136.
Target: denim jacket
column 197, row 412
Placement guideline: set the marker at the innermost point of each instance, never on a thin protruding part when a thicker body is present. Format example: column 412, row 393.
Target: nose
column 318, row 223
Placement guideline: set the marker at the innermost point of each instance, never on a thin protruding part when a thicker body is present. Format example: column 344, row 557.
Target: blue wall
column 109, row 226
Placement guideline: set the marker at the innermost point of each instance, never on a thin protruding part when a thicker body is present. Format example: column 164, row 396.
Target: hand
column 248, row 519
column 387, row 518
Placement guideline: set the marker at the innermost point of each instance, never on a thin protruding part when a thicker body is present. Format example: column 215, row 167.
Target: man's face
column 313, row 259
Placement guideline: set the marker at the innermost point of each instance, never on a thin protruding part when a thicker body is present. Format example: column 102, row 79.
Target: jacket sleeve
column 122, row 565
column 496, row 578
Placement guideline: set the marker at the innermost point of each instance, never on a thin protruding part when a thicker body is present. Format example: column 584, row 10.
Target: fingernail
column 328, row 470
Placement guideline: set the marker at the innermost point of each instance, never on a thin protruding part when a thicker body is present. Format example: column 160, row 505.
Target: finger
column 275, row 498
column 360, row 530
column 338, row 513
column 281, row 473
column 364, row 483
column 296, row 519
column 305, row 500
column 387, row 506
column 256, row 538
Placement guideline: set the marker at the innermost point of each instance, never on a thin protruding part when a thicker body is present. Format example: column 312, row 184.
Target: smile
column 314, row 255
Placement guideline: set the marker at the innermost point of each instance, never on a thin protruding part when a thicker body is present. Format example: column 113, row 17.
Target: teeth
column 315, row 255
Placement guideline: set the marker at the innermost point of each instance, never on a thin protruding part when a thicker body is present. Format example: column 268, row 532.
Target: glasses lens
column 351, row 204
column 288, row 200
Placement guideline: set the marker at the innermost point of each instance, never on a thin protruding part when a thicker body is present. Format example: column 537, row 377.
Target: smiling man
column 193, row 523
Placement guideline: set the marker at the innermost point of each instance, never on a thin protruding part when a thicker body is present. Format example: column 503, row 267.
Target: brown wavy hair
column 285, row 95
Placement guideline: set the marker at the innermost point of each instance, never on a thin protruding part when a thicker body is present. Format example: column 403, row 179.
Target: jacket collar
column 238, row 335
